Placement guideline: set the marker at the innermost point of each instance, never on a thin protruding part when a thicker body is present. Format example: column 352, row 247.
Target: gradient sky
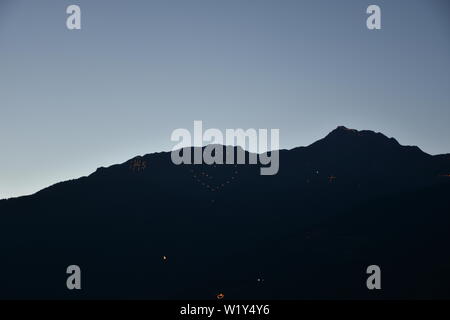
column 72, row 101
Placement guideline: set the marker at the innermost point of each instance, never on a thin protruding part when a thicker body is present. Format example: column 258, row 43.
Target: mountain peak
column 344, row 129
column 344, row 138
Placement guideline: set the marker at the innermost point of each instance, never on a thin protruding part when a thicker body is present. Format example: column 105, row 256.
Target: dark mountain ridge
column 351, row 199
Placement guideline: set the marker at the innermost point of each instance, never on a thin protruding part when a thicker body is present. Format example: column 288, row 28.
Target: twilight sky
column 72, row 101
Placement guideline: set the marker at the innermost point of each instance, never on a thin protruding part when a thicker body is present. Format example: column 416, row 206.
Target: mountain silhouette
column 150, row 229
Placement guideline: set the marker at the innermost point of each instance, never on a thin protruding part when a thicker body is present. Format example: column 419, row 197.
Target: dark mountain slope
column 352, row 199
